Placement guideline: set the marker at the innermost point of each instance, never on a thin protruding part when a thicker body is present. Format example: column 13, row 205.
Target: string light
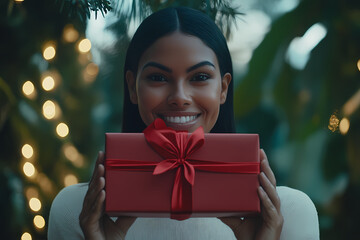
column 26, row 236
column 39, row 221
column 344, row 126
column 48, row 83
column 70, row 179
column 358, row 64
column 31, row 192
column 35, row 204
column 49, row 52
column 44, row 183
column 28, row 89
column 62, row 129
column 333, row 123
column 84, row 45
column 73, row 155
column 90, row 72
column 352, row 104
column 29, row 169
column 49, row 109
column 70, row 152
column 70, row 34
column 27, row 151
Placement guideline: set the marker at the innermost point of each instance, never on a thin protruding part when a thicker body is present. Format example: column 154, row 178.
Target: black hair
column 191, row 22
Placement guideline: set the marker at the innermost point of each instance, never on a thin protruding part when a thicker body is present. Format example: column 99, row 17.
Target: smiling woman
column 198, row 35
column 179, row 80
column 178, row 68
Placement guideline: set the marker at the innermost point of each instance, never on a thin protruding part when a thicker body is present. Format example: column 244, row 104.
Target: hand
column 94, row 223
column 269, row 224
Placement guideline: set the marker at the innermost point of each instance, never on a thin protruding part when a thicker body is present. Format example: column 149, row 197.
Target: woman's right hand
column 94, row 223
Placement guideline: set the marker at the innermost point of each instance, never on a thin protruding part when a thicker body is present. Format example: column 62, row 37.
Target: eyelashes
column 198, row 77
column 157, row 78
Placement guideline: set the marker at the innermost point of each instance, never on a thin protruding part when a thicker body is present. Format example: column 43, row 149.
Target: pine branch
column 221, row 11
column 82, row 8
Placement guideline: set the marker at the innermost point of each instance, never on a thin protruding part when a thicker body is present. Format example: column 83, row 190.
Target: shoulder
column 69, row 197
column 65, row 211
column 300, row 215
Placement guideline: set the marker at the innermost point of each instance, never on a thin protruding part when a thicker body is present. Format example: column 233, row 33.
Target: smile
column 180, row 119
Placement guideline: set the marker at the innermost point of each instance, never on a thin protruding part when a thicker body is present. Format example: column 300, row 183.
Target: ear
column 225, row 82
column 131, row 82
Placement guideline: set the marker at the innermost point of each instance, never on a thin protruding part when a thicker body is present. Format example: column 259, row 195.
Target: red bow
column 176, row 149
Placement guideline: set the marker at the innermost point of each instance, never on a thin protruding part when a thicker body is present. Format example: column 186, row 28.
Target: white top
column 299, row 212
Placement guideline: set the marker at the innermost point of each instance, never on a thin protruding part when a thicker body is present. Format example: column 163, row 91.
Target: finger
column 265, row 167
column 271, row 216
column 96, row 186
column 97, row 208
column 270, row 190
column 99, row 160
column 268, row 210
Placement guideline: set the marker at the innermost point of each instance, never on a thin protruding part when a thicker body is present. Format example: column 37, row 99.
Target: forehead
column 178, row 48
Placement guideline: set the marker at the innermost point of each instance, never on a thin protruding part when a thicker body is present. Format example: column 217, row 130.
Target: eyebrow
column 157, row 65
column 200, row 64
column 166, row 69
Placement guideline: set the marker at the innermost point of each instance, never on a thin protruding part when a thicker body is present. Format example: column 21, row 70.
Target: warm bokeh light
column 39, row 221
column 70, row 179
column 35, row 204
column 29, row 169
column 344, row 126
column 28, row 88
column 27, row 151
column 26, row 236
column 49, row 109
column 333, row 123
column 62, row 130
column 19, row 1
column 73, row 155
column 31, row 192
column 71, row 152
column 84, row 45
column 70, row 34
column 358, row 64
column 49, row 52
column 45, row 183
column 352, row 104
column 90, row 72
column 48, row 83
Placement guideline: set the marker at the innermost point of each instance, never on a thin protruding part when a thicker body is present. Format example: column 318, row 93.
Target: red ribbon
column 176, row 149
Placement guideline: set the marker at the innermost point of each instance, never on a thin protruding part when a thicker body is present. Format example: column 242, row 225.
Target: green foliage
column 83, row 8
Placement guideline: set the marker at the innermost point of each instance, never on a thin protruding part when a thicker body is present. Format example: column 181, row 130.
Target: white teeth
column 181, row 119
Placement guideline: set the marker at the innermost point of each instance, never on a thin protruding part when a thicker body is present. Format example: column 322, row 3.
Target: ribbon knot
column 181, row 160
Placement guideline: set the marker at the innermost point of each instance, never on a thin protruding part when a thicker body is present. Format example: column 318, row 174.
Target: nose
column 179, row 96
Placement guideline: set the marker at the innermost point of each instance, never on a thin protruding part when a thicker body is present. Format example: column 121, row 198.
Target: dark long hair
column 191, row 22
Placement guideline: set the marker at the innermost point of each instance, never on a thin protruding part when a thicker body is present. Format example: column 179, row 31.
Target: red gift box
column 133, row 190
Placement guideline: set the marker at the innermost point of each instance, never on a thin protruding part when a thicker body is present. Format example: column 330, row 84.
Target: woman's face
column 179, row 81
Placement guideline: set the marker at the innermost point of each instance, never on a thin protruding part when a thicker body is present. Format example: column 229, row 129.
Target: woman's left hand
column 269, row 224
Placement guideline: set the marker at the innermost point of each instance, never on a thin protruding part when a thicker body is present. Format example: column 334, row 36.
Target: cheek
column 148, row 99
column 210, row 97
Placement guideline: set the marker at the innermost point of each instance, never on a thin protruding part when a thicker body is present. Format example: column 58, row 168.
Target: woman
column 178, row 68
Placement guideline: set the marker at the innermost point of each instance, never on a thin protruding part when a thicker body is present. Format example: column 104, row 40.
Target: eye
column 157, row 78
column 201, row 77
